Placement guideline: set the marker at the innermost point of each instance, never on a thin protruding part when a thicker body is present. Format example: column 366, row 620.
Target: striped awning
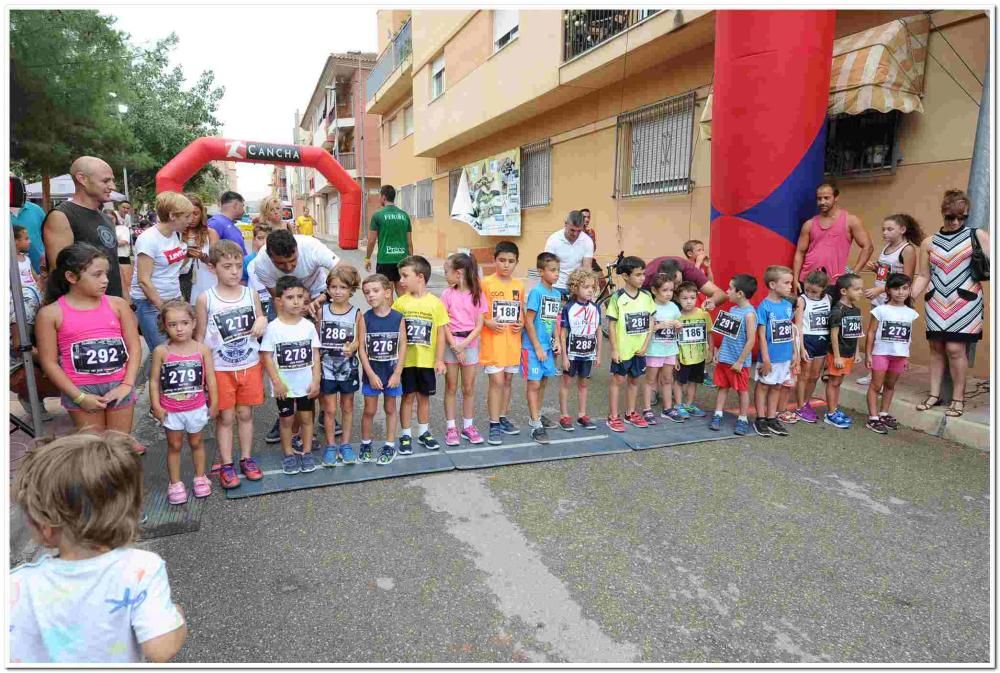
column 881, row 68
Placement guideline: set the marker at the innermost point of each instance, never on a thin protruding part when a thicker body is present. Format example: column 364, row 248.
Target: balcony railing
column 390, row 59
column 584, row 29
column 346, row 160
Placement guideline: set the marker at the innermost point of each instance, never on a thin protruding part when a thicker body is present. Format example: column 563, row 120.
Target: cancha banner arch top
column 203, row 150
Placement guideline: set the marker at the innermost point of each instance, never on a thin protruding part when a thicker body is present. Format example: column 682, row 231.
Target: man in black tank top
column 81, row 220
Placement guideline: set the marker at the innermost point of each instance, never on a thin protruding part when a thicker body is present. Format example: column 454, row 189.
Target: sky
column 269, row 59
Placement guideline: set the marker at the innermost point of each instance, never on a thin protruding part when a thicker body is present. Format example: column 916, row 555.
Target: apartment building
column 610, row 110
column 335, row 119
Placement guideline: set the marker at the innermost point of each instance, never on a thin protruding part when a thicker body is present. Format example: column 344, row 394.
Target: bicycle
column 605, row 294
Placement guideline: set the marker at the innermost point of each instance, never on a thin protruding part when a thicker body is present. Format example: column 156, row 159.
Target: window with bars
column 454, row 176
column 424, row 205
column 536, row 174
column 406, row 198
column 864, row 144
column 654, row 148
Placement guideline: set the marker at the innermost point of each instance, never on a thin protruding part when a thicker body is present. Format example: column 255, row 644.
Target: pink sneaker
column 472, row 435
column 202, row 487
column 451, row 437
column 177, row 494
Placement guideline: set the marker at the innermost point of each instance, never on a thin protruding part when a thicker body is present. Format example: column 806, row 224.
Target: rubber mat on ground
column 419, row 462
column 162, row 518
column 668, row 433
column 521, row 449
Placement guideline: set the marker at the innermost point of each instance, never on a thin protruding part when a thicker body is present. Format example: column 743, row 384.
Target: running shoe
column 673, row 415
column 202, row 487
column 347, row 454
column 708, row 382
column 566, row 423
column 496, row 434
column 876, row 425
column 290, row 464
column 227, row 476
column 761, row 426
column 807, row 413
column 365, row 454
column 865, row 380
column 850, row 421
column 386, row 454
column 177, row 494
column 586, row 423
column 330, row 455
column 889, row 421
column 405, row 445
column 715, row 423
column 649, row 417
column 836, row 419
column 273, row 435
column 788, row 417
column 248, row 466
column 616, row 423
column 540, row 435
column 682, row 412
column 451, row 437
column 507, row 427
column 547, row 423
column 742, row 427
column 694, row 410
column 776, row 427
column 428, row 441
column 633, row 418
column 307, row 462
column 471, row 435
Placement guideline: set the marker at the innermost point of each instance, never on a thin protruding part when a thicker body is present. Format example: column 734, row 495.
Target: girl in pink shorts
column 889, row 351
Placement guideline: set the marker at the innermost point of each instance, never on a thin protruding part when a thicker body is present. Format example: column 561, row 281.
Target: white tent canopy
column 61, row 187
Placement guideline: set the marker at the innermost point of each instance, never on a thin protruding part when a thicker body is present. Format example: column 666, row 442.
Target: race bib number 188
column 506, row 312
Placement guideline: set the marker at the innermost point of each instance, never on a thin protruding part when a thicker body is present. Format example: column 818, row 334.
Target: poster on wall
column 488, row 198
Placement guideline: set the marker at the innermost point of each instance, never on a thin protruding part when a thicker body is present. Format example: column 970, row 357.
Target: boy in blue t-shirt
column 540, row 342
column 775, row 336
column 738, row 327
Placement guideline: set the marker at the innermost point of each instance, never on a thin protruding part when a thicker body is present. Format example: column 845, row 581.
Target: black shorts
column 421, row 380
column 579, row 368
column 633, row 368
column 816, row 345
column 127, row 261
column 290, row 405
column 691, row 373
column 390, row 271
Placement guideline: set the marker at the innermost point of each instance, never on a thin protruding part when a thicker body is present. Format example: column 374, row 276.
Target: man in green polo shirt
column 390, row 228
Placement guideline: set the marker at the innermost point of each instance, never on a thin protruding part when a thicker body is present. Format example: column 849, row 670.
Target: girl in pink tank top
column 182, row 372
column 88, row 342
column 828, row 248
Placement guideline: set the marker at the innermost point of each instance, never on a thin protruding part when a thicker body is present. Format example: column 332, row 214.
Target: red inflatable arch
column 203, row 150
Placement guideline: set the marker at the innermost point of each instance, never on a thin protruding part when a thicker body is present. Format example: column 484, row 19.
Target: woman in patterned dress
column 953, row 306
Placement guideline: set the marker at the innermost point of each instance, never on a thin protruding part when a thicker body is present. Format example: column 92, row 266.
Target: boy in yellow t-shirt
column 694, row 347
column 500, row 349
column 425, row 318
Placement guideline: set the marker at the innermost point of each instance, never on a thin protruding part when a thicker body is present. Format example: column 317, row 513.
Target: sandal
column 927, row 404
column 952, row 411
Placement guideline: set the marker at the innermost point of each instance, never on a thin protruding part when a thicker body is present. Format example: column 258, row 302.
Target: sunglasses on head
column 957, row 218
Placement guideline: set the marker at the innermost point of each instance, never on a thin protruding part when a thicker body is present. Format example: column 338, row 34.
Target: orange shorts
column 243, row 388
column 833, row 371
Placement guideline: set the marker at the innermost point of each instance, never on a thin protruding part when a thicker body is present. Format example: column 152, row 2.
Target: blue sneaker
column 708, row 382
column 715, row 423
column 365, row 454
column 428, row 441
column 405, row 445
column 330, row 456
column 673, row 415
column 386, row 455
column 496, row 434
column 347, row 454
column 290, row 464
column 742, row 427
column 682, row 412
column 308, row 462
column 694, row 410
column 836, row 420
column 845, row 417
column 507, row 427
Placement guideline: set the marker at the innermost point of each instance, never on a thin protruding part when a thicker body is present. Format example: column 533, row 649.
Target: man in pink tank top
column 825, row 240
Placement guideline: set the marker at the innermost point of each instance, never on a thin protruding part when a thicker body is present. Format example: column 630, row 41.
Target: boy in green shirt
column 694, row 347
column 630, row 311
column 390, row 228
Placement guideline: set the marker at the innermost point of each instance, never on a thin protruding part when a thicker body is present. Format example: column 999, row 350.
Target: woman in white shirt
column 196, row 276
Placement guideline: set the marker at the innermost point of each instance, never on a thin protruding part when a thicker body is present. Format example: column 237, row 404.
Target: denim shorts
column 471, row 356
column 99, row 389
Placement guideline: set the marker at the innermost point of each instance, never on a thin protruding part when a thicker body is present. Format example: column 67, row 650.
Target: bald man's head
column 93, row 178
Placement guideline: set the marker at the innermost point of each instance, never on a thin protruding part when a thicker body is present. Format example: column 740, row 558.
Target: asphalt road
column 826, row 546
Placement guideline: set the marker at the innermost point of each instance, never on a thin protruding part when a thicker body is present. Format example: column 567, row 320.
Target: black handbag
column 980, row 262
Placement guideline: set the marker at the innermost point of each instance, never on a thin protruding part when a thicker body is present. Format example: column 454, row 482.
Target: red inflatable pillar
column 179, row 170
column 772, row 81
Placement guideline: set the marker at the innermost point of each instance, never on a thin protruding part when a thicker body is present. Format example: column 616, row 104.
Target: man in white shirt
column 304, row 257
column 574, row 249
